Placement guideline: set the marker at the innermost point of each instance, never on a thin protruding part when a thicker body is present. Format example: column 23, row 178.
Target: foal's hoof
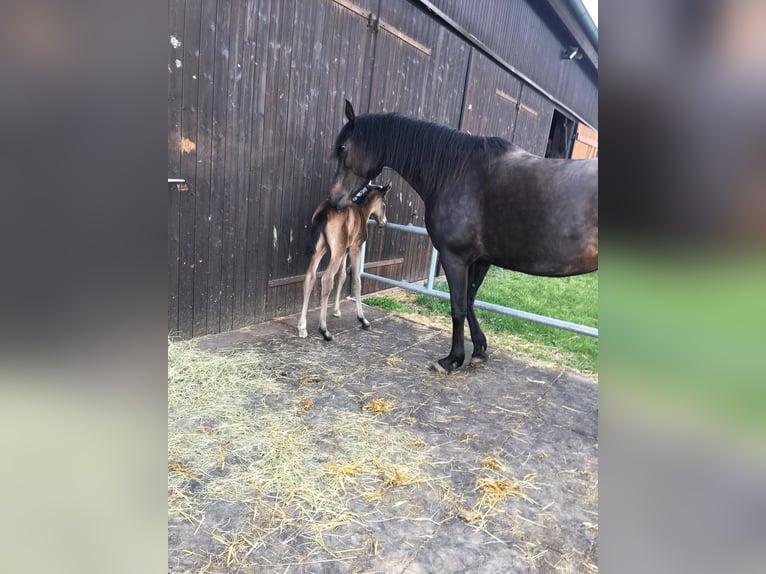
column 365, row 324
column 336, row 313
column 302, row 333
column 478, row 359
column 327, row 335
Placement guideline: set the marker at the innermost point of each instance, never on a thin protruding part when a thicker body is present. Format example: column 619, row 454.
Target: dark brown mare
column 488, row 202
column 342, row 232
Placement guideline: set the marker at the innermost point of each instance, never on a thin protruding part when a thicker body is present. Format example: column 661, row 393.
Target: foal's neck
column 365, row 211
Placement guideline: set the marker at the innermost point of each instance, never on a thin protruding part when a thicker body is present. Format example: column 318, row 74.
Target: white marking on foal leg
column 355, row 261
column 328, row 280
column 341, row 280
column 308, row 285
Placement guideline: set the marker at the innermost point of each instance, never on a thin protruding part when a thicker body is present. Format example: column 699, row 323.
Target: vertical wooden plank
column 232, row 165
column 201, row 262
column 176, row 10
column 268, row 159
column 218, row 162
column 189, row 120
column 311, row 186
column 329, row 114
column 257, row 250
column 285, row 72
column 246, row 66
column 174, row 168
column 296, row 110
column 279, row 55
column 295, row 143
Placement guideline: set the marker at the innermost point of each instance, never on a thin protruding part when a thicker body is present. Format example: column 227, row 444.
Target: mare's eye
column 343, row 149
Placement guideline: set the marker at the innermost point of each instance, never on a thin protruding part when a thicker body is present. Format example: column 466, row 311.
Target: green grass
column 388, row 304
column 573, row 299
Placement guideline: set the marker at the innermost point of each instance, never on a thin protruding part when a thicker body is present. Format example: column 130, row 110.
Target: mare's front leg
column 328, row 279
column 457, row 279
column 308, row 285
column 341, row 280
column 357, row 280
column 476, row 273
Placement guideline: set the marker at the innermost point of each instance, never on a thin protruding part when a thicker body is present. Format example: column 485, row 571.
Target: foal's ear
column 350, row 112
column 385, row 188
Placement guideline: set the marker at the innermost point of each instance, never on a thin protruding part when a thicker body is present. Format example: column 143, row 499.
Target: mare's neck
column 409, row 171
column 404, row 163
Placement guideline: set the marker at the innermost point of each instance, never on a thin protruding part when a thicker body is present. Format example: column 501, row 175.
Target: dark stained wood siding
column 528, row 35
column 255, row 99
column 491, row 99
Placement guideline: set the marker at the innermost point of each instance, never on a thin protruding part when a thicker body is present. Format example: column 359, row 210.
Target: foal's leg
column 328, row 280
column 357, row 280
column 341, row 281
column 308, row 283
column 476, row 273
column 457, row 279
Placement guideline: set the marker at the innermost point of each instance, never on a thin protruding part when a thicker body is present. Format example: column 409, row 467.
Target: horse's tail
column 318, row 225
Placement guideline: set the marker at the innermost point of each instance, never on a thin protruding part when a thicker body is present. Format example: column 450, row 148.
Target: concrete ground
column 513, row 448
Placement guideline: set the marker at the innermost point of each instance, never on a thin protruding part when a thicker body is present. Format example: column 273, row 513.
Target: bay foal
column 343, row 233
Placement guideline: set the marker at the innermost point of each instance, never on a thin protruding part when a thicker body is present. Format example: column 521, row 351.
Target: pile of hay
column 246, row 469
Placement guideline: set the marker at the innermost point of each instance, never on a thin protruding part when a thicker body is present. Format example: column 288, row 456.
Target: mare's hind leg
column 457, row 279
column 341, row 280
column 476, row 273
column 308, row 284
column 328, row 280
column 357, row 280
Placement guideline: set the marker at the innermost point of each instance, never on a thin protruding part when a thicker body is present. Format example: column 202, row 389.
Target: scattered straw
column 398, row 477
column 378, row 406
column 309, row 380
column 305, row 405
column 470, row 516
column 493, row 463
column 496, row 490
column 246, row 470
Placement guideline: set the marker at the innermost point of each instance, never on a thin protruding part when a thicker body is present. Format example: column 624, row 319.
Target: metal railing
column 429, row 290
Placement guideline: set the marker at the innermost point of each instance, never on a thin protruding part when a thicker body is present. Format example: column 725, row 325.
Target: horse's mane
column 436, row 153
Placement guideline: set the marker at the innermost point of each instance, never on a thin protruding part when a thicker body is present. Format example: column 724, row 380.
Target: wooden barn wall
column 525, row 34
column 255, row 99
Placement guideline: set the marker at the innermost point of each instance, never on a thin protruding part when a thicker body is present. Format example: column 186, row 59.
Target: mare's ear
column 350, row 115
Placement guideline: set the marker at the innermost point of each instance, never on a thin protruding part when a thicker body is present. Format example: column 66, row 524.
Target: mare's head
column 356, row 164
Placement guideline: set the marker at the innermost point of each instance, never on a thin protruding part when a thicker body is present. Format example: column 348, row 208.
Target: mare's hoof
column 302, row 333
column 365, row 324
column 336, row 313
column 478, row 359
column 446, row 365
column 438, row 368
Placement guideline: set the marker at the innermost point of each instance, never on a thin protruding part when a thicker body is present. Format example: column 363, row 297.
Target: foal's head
column 372, row 200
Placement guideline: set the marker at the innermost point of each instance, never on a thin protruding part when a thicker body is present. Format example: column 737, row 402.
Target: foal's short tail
column 318, row 224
